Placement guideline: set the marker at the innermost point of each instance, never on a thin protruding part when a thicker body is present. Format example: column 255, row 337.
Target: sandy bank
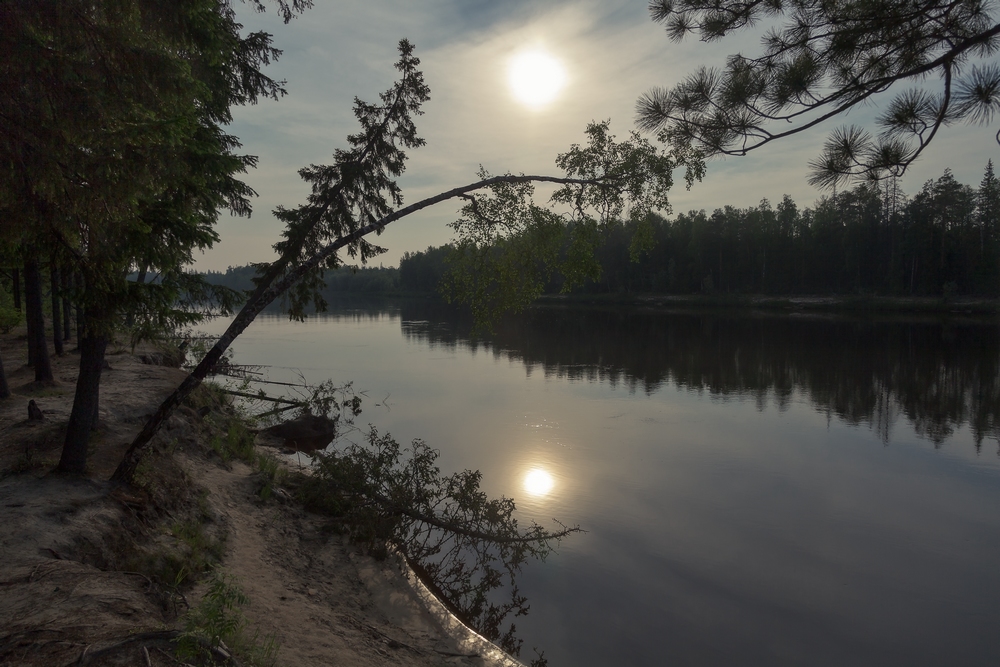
column 72, row 552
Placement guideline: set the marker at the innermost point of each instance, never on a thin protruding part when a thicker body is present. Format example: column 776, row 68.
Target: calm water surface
column 757, row 490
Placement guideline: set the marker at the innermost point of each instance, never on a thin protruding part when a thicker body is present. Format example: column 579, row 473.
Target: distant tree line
column 873, row 239
column 419, row 273
column 342, row 281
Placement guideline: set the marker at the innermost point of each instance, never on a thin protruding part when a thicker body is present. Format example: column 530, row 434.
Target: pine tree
column 822, row 58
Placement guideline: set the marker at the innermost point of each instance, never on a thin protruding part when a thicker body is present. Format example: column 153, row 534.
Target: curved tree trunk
column 36, row 321
column 83, row 418
column 57, row 334
column 271, row 286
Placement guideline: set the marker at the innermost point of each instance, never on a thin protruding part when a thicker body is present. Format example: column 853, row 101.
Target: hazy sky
column 611, row 53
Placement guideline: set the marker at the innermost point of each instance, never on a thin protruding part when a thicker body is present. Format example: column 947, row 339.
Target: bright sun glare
column 538, row 482
column 535, row 78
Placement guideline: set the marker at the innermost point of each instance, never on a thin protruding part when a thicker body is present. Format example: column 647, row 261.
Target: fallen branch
column 262, row 397
column 157, row 635
column 276, row 411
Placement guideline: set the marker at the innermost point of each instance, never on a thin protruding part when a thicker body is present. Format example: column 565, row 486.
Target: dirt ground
column 69, row 597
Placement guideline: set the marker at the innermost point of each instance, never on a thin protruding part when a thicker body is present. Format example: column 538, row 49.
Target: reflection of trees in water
column 938, row 375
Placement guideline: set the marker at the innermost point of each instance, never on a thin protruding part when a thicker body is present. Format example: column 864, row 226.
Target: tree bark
column 78, row 280
column 4, row 389
column 66, row 286
column 83, row 418
column 57, row 334
column 36, row 320
column 30, row 325
column 16, row 279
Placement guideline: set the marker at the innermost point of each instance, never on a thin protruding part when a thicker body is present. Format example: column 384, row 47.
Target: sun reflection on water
column 538, row 482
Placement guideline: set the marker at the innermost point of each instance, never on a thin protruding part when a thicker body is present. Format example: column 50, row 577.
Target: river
column 757, row 489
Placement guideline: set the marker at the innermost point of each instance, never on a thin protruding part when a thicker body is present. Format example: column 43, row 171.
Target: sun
column 535, row 78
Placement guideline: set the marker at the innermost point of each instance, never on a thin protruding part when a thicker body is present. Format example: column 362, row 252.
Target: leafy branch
column 466, row 546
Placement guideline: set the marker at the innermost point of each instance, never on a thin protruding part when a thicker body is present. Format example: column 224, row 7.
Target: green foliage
column 500, row 270
column 466, row 545
column 186, row 539
column 423, row 272
column 870, row 240
column 630, row 178
column 197, row 346
column 232, row 435
column 217, row 627
column 356, row 190
column 507, row 248
column 270, row 475
column 820, row 59
column 175, row 301
column 236, row 442
column 114, row 158
column 114, row 137
column 198, row 551
column 27, row 461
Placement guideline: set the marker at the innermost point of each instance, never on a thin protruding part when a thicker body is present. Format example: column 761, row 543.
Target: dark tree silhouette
column 38, row 351
column 115, row 156
column 821, row 59
column 15, row 277
column 57, row 320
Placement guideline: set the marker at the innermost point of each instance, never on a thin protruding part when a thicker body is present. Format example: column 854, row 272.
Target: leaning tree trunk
column 57, row 337
column 267, row 291
column 83, row 418
column 126, row 469
column 36, row 321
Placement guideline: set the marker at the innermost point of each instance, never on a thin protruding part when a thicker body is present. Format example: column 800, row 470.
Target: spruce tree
column 115, row 155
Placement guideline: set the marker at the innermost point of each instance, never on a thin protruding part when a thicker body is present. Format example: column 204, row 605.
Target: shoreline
column 854, row 305
column 87, row 567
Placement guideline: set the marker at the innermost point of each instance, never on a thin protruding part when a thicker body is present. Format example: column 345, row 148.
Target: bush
column 466, row 546
column 217, row 627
